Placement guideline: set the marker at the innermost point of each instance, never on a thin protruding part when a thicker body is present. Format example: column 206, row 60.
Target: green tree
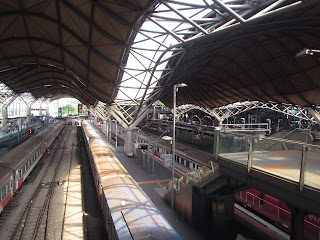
column 69, row 109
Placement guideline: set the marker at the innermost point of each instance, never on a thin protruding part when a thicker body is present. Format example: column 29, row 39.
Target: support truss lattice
column 167, row 32
column 231, row 110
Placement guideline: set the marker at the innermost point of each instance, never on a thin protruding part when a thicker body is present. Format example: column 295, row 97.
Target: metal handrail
column 276, row 206
column 293, row 142
column 283, row 138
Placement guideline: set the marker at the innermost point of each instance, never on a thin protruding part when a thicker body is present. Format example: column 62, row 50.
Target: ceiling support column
column 143, row 114
column 29, row 111
column 315, row 114
column 129, row 137
column 28, row 114
column 47, row 108
column 4, row 115
column 40, row 108
column 5, row 110
column 297, row 224
column 105, row 126
column 128, row 143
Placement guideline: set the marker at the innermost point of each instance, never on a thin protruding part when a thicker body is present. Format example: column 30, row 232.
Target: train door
column 17, row 175
column 12, row 183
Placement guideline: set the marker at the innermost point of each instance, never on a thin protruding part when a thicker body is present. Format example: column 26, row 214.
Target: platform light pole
column 175, row 90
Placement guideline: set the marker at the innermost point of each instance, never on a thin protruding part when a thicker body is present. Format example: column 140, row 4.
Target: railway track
column 12, row 214
column 56, row 217
column 33, row 222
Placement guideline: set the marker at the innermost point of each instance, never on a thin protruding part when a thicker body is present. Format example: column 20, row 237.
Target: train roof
column 25, row 149
column 5, row 173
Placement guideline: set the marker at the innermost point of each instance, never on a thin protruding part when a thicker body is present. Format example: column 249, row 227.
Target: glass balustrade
column 294, row 160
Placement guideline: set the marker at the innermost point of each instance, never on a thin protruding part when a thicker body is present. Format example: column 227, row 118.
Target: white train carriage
column 6, row 186
column 16, row 165
column 128, row 211
column 186, row 159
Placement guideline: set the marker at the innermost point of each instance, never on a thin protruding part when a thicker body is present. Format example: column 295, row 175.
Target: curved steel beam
column 73, row 34
column 64, row 49
column 46, row 58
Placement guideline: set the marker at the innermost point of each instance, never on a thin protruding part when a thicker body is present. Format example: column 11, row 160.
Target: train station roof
column 77, row 48
column 225, row 50
column 263, row 59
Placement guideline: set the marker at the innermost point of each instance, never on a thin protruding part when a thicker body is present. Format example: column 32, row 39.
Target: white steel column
column 4, row 115
column 28, row 114
column 40, row 108
column 315, row 114
column 128, row 143
column 5, row 109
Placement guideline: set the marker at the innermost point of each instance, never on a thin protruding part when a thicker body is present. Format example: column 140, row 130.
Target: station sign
column 167, row 160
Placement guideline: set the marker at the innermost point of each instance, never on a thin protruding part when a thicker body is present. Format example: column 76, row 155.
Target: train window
column 8, row 188
column 3, row 194
column 191, row 165
column 186, row 163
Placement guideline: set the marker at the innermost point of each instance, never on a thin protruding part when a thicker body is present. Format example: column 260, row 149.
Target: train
column 127, row 210
column 189, row 159
column 276, row 211
column 16, row 165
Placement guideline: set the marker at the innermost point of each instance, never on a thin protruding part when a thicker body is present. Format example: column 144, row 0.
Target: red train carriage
column 16, row 165
column 277, row 211
column 6, row 186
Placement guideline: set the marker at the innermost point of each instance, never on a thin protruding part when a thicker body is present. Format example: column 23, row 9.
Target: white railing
column 245, row 127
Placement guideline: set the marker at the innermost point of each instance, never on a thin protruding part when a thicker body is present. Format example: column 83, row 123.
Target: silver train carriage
column 128, row 211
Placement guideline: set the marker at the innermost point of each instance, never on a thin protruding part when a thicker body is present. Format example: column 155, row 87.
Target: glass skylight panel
column 170, row 25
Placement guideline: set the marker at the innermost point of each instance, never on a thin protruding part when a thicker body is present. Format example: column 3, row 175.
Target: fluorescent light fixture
column 307, row 52
column 182, row 85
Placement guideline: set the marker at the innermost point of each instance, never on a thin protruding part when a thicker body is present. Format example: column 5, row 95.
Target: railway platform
column 152, row 185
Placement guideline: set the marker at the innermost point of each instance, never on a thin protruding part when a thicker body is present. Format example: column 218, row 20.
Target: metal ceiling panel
column 81, row 45
column 255, row 61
